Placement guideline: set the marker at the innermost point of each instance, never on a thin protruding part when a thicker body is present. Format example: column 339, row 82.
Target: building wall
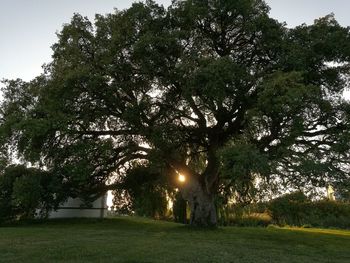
column 72, row 209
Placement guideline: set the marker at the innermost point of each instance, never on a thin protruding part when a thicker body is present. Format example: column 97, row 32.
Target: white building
column 73, row 208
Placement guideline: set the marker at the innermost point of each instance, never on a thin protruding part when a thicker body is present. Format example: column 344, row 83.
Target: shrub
column 297, row 210
column 27, row 192
column 244, row 215
column 7, row 211
column 287, row 209
column 329, row 214
column 26, row 195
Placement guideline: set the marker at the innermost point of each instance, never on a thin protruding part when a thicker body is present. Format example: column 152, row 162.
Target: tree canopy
column 215, row 90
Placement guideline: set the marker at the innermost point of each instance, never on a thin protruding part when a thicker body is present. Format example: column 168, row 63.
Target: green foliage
column 7, row 211
column 241, row 165
column 27, row 192
column 293, row 209
column 287, row 209
column 342, row 190
column 26, row 195
column 241, row 160
column 147, row 193
column 180, row 85
column 252, row 215
column 297, row 210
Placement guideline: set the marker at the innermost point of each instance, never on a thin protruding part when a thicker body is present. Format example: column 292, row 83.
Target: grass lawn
column 143, row 240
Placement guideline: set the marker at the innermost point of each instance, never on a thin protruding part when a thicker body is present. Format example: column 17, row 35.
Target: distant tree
column 183, row 86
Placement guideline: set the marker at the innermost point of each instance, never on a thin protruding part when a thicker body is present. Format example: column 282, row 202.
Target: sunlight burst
column 182, row 178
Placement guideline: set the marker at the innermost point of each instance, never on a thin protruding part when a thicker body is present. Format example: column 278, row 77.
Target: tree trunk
column 203, row 212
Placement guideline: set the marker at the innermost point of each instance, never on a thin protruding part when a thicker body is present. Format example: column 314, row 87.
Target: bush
column 26, row 193
column 244, row 215
column 293, row 209
column 286, row 210
column 297, row 210
column 329, row 214
column 7, row 211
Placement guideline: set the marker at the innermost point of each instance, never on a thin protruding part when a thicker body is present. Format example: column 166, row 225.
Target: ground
column 144, row 240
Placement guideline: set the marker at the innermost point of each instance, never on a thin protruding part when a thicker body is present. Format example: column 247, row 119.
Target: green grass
column 143, row 240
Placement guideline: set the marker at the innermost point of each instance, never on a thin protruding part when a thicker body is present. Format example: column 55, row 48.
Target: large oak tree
column 215, row 90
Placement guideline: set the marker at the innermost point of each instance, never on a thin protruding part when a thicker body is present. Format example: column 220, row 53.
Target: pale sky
column 28, row 27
